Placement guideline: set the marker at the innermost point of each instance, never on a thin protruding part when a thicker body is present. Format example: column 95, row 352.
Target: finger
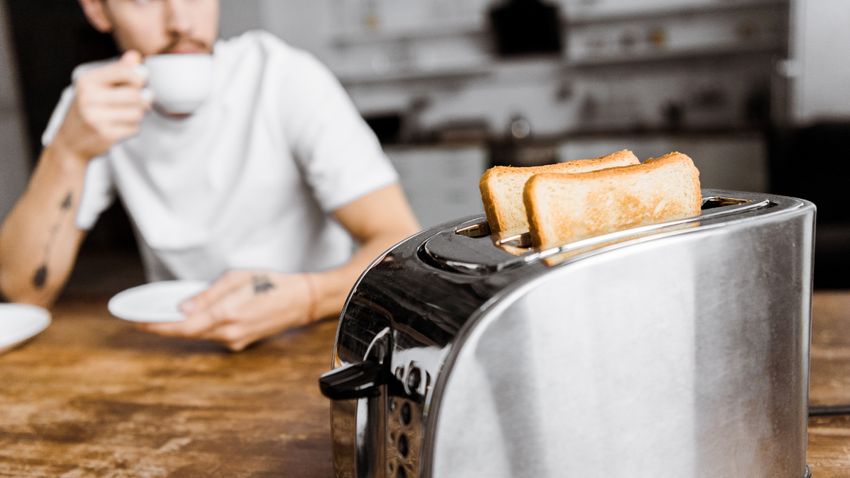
column 234, row 316
column 122, row 133
column 233, row 307
column 255, row 321
column 234, row 336
column 131, row 57
column 223, row 286
column 201, row 323
column 192, row 327
column 119, row 131
column 238, row 335
column 122, row 116
column 125, row 96
column 123, row 72
column 243, row 344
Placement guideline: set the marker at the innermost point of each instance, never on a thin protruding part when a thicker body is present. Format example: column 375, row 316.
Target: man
column 248, row 190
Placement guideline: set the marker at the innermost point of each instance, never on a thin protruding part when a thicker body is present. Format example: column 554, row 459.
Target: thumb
column 131, row 57
column 134, row 59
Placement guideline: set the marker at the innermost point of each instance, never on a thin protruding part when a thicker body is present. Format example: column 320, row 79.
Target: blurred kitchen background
column 756, row 91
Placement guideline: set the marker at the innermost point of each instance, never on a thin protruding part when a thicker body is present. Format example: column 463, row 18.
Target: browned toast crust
column 630, row 211
column 495, row 212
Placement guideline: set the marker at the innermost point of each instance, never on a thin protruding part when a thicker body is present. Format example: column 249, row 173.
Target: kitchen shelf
column 549, row 140
column 351, row 38
column 342, row 40
column 408, row 76
column 719, row 8
column 671, row 56
column 466, row 73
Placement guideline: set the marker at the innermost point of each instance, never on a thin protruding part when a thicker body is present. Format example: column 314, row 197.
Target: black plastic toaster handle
column 357, row 380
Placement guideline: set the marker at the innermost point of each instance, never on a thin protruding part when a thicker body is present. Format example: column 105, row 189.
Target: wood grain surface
column 92, row 396
column 829, row 384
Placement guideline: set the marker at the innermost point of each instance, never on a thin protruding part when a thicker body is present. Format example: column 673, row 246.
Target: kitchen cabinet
column 819, row 69
column 726, row 161
column 441, row 182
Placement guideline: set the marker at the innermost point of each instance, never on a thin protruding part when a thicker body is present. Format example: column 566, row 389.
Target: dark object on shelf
column 674, row 115
column 511, row 154
column 525, row 27
column 387, row 127
column 462, row 130
column 757, row 106
column 808, row 163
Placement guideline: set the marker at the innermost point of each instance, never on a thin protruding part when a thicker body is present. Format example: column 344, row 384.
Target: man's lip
column 185, row 51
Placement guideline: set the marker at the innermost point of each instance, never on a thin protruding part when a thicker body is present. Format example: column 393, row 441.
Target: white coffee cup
column 180, row 83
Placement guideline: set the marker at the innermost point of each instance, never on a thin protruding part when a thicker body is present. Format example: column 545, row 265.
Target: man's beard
column 184, row 43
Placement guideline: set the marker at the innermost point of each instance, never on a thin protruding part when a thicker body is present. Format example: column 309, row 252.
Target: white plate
column 19, row 323
column 154, row 302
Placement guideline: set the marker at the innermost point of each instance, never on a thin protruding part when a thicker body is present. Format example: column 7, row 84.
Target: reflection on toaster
column 674, row 348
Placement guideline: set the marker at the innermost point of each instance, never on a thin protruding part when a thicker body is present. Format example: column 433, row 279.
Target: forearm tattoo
column 39, row 277
column 262, row 284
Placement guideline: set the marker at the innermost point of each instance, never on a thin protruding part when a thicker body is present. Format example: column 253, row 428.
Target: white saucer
column 155, row 302
column 19, row 323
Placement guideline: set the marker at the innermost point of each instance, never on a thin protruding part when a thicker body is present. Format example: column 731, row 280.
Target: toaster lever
column 356, row 380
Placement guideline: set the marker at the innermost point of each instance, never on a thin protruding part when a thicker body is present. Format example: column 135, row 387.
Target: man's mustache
column 183, row 42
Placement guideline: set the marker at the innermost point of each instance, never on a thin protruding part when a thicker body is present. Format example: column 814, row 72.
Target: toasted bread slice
column 501, row 187
column 564, row 208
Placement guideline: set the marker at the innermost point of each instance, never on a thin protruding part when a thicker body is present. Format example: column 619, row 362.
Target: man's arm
column 39, row 239
column 377, row 221
column 242, row 307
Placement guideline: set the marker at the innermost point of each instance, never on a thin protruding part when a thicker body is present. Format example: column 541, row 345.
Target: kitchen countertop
column 92, row 396
column 485, row 139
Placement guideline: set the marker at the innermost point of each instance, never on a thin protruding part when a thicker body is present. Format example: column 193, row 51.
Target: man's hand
column 244, row 306
column 109, row 104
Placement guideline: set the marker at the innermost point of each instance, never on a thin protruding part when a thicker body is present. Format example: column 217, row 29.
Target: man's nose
column 178, row 18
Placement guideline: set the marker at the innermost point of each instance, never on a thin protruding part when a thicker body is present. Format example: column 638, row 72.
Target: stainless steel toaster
column 672, row 350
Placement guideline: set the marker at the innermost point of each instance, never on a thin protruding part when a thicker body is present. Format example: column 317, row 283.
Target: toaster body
column 678, row 349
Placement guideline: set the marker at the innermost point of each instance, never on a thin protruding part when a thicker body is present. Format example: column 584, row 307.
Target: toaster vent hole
column 403, row 445
column 406, row 413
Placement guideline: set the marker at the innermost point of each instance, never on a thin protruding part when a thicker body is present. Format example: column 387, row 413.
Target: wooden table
column 92, row 396
column 829, row 380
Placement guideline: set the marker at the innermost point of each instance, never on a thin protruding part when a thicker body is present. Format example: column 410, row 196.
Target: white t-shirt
column 249, row 180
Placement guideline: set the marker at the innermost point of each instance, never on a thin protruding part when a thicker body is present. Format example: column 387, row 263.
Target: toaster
column 678, row 349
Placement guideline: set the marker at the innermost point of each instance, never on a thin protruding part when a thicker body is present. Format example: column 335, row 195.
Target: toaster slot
column 523, row 241
column 516, row 240
column 475, row 231
column 714, row 202
column 472, row 248
column 714, row 209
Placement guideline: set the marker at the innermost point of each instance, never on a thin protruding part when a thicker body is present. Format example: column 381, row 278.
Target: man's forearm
column 39, row 239
column 332, row 287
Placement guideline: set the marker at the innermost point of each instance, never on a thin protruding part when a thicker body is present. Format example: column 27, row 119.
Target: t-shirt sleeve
column 337, row 152
column 98, row 190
